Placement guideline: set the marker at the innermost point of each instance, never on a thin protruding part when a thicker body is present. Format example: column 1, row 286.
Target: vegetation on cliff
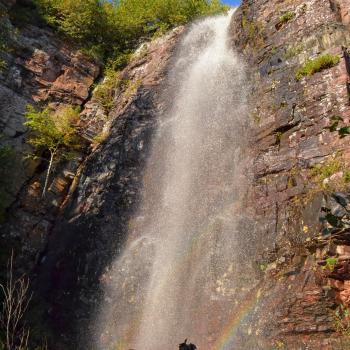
column 317, row 65
column 110, row 29
column 54, row 132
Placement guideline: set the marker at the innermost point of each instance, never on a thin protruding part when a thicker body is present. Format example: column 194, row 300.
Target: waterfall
column 180, row 273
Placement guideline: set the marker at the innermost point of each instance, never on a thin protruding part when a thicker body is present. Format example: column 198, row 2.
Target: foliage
column 330, row 264
column 132, row 87
column 325, row 170
column 104, row 93
column 55, row 132
column 335, row 220
column 101, row 137
column 321, row 174
column 293, row 51
column 113, row 28
column 52, row 130
column 342, row 320
column 254, row 31
column 287, row 17
column 317, row 65
column 334, row 126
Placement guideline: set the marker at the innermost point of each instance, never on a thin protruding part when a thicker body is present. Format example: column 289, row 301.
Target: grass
column 288, row 16
column 342, row 321
column 325, row 170
column 3, row 65
column 320, row 177
column 317, row 65
column 254, row 31
column 104, row 93
column 294, row 51
column 322, row 172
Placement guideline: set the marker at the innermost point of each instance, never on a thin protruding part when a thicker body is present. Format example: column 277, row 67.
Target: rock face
column 92, row 230
column 289, row 118
column 303, row 262
column 40, row 69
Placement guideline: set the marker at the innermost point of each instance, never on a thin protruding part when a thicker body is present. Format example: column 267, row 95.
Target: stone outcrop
column 40, row 69
column 290, row 135
column 92, row 228
column 303, row 260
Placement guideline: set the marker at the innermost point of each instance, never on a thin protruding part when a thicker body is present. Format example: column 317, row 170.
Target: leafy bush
column 287, row 17
column 330, row 264
column 112, row 28
column 334, row 126
column 104, row 93
column 254, row 31
column 322, row 175
column 54, row 132
column 317, row 65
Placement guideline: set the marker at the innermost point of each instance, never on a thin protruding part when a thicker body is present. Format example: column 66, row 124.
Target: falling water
column 180, row 273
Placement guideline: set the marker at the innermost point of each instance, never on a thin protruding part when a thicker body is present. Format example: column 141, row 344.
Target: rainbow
column 242, row 314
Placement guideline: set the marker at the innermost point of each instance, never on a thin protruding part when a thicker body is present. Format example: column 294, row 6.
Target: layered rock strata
column 293, row 147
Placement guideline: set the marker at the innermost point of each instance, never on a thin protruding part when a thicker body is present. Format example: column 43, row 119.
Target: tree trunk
column 48, row 175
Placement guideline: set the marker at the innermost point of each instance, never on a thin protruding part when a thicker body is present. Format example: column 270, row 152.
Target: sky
column 231, row 2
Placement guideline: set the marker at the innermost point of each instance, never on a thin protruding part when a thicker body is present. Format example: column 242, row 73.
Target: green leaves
column 335, row 119
column 117, row 26
column 344, row 131
column 52, row 131
column 317, row 65
column 330, row 264
column 334, row 126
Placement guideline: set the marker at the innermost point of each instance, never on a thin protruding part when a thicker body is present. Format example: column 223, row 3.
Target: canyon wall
column 60, row 242
column 299, row 166
column 38, row 68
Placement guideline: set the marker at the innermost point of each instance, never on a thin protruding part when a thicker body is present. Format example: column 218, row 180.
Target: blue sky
column 231, row 2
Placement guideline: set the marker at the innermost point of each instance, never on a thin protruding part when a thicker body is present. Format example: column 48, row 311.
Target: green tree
column 55, row 132
column 112, row 27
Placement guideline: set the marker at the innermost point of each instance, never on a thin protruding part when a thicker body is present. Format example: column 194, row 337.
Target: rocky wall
column 91, row 230
column 292, row 143
column 38, row 68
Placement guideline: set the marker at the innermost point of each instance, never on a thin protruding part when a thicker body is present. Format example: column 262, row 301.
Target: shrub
column 330, row 264
column 342, row 131
column 113, row 27
column 342, row 321
column 254, row 31
column 321, row 175
column 317, row 65
column 287, row 17
column 16, row 297
column 54, row 132
column 105, row 92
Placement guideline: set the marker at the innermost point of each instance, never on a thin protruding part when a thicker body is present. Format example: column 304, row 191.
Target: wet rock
column 289, row 137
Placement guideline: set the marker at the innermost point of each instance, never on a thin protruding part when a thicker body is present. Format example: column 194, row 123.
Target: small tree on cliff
column 52, row 131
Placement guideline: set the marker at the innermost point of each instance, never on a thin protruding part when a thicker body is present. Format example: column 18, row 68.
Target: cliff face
column 69, row 239
column 36, row 68
column 290, row 117
column 93, row 225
